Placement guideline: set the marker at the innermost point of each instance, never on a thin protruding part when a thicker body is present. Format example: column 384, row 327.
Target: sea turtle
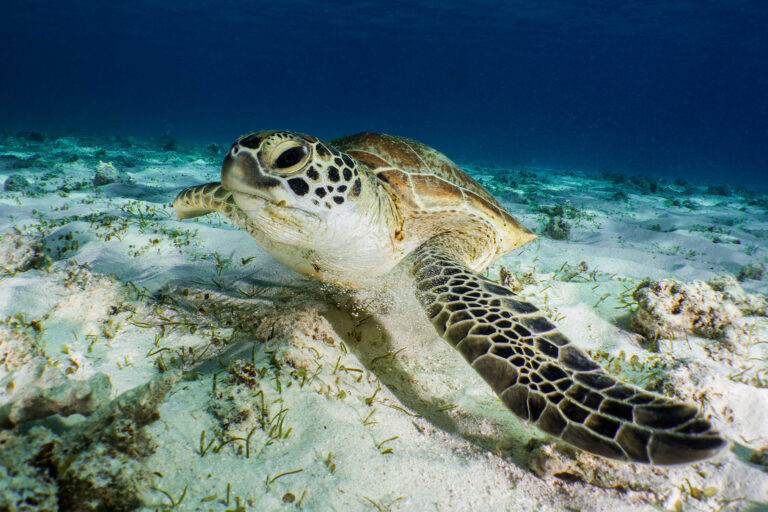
column 351, row 210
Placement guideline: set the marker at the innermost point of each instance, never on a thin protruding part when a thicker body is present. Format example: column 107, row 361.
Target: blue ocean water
column 675, row 88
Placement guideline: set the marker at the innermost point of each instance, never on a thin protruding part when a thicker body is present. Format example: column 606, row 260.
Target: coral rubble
column 50, row 392
column 670, row 309
column 96, row 465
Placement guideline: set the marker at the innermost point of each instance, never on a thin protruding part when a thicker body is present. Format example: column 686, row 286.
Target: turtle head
column 308, row 204
column 290, row 170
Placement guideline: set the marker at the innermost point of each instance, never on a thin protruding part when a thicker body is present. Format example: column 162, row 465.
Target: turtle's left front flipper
column 542, row 377
column 211, row 197
column 202, row 200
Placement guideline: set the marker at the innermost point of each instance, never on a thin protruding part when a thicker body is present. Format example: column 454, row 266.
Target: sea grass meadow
column 152, row 363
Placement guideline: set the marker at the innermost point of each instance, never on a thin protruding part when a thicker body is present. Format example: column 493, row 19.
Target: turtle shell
column 424, row 181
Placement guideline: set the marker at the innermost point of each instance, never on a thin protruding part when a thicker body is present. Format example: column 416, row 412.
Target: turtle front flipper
column 212, row 197
column 543, row 378
column 204, row 199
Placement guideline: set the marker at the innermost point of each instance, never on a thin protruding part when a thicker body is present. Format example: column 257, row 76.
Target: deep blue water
column 669, row 88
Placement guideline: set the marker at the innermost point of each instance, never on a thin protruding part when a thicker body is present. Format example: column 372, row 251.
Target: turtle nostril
column 235, row 149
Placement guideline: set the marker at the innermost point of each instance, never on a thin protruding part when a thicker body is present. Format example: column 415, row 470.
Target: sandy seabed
column 150, row 363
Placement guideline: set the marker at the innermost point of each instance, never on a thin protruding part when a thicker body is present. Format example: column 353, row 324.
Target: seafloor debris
column 557, row 228
column 18, row 183
column 96, row 465
column 760, row 458
column 48, row 391
column 669, row 309
column 750, row 304
column 515, row 281
column 107, row 173
column 552, row 460
column 238, row 397
column 754, row 271
column 572, row 272
column 19, row 252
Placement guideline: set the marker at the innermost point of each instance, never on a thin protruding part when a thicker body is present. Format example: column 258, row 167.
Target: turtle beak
column 241, row 172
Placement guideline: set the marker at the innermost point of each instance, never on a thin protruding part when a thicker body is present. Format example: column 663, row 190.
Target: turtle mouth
column 239, row 190
column 241, row 195
column 269, row 211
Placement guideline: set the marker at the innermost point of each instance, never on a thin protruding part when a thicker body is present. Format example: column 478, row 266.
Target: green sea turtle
column 349, row 211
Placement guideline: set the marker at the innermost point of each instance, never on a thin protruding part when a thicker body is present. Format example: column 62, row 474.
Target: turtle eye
column 290, row 157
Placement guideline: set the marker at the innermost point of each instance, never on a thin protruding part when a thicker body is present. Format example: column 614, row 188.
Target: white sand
column 379, row 413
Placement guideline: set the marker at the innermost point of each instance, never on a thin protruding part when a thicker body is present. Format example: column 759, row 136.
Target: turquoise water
column 675, row 88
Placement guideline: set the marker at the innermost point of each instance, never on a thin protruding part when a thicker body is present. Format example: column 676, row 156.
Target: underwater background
column 666, row 89
column 152, row 363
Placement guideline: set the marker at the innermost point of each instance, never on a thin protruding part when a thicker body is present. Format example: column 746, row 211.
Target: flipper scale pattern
column 211, row 197
column 543, row 378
